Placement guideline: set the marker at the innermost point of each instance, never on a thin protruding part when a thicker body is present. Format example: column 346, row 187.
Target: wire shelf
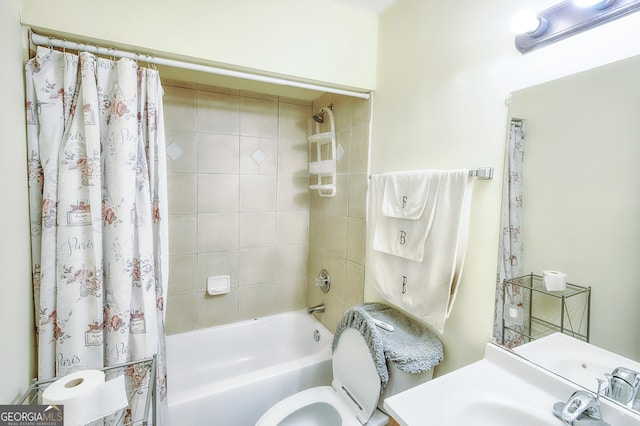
column 545, row 312
column 140, row 377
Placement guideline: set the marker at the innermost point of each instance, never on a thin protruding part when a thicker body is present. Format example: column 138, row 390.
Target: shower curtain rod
column 40, row 40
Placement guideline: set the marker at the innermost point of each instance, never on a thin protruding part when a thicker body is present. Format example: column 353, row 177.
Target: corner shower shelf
column 323, row 159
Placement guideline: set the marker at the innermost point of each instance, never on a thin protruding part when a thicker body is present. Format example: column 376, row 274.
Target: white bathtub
column 230, row 375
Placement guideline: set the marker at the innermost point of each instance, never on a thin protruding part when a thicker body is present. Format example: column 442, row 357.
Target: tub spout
column 314, row 309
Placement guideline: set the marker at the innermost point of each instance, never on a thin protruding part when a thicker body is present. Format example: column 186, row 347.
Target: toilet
column 354, row 397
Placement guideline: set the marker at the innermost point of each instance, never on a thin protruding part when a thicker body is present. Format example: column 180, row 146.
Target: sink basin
column 577, row 361
column 502, row 389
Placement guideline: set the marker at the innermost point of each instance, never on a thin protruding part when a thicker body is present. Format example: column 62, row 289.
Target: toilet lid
column 355, row 376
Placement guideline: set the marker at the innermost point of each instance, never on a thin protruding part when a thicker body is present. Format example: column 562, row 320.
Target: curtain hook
column 50, row 42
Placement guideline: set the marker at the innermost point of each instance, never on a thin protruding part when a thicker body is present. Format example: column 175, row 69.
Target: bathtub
column 230, row 375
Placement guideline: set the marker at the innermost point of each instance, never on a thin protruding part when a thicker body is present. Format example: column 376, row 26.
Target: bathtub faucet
column 314, row 309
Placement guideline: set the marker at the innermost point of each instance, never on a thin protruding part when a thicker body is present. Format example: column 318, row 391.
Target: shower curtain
column 510, row 247
column 97, row 184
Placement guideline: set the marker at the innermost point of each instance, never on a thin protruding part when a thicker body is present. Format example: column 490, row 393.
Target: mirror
column 581, row 192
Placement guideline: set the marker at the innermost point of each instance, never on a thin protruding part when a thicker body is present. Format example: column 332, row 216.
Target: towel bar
column 482, row 173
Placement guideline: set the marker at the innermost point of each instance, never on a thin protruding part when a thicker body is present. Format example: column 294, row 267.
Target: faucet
column 623, row 385
column 582, row 409
column 314, row 309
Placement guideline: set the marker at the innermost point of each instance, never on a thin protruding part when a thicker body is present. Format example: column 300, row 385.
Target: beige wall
column 16, row 303
column 581, row 199
column 230, row 215
column 321, row 40
column 444, row 73
column 337, row 224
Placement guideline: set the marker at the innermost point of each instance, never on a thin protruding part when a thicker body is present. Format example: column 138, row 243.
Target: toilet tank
column 400, row 381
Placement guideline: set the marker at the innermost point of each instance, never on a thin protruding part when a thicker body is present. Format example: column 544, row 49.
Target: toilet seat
column 322, row 400
column 351, row 399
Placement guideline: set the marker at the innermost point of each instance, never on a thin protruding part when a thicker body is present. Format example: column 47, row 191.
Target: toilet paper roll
column 554, row 280
column 86, row 396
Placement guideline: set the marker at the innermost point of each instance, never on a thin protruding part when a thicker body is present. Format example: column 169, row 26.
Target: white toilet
column 354, row 394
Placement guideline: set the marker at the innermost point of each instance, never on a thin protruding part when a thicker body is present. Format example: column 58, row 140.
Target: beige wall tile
column 218, row 153
column 354, row 277
column 256, row 300
column 217, row 193
column 293, row 228
column 356, row 240
column 183, row 195
column 186, row 141
column 179, row 108
column 182, row 234
column 343, row 112
column 258, row 117
column 182, row 274
column 335, row 240
column 218, row 113
column 217, row 232
column 217, row 263
column 269, row 148
column 290, row 295
column 182, row 313
column 217, row 310
column 257, row 193
column 257, row 230
column 295, row 121
column 293, row 193
column 292, row 262
column 293, row 157
column 359, row 149
column 361, row 112
column 343, row 138
column 317, row 229
column 257, row 265
column 358, row 183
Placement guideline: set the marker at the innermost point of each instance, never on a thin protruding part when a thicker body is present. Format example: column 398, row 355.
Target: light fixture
column 565, row 19
column 527, row 22
column 596, row 4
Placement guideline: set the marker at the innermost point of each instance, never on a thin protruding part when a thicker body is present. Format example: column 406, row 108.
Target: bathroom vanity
column 501, row 389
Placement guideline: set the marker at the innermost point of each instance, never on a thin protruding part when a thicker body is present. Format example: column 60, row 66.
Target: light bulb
column 528, row 22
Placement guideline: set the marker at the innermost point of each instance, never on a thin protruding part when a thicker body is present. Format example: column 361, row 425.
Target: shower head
column 319, row 117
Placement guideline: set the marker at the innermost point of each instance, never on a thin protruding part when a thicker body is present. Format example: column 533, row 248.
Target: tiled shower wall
column 337, row 225
column 238, row 203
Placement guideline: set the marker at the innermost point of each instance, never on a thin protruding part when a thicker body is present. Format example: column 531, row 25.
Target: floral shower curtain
column 510, row 248
column 97, row 183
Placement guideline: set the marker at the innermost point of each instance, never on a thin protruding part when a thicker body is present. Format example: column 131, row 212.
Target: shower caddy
column 323, row 157
column 144, row 368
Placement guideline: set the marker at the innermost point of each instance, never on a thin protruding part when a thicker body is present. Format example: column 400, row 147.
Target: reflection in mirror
column 580, row 210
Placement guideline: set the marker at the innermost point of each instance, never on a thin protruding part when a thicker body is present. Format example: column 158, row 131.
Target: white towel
column 426, row 289
column 406, row 193
column 408, row 206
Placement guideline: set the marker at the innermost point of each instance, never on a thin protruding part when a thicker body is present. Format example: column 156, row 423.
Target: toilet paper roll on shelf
column 554, row 280
column 86, row 396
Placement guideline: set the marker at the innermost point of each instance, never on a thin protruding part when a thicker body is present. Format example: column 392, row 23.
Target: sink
column 502, row 389
column 578, row 361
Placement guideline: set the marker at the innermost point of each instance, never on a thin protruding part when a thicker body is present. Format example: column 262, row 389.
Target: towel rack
column 482, row 173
